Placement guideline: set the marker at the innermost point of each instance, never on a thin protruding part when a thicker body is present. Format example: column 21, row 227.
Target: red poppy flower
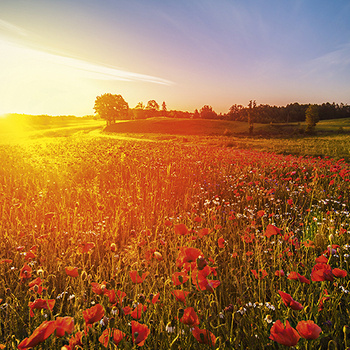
column 99, row 288
column 309, row 244
column 136, row 278
column 181, row 229
column 137, row 312
column 203, row 336
column 154, row 298
column 25, row 272
column 321, row 259
column 64, row 325
column 289, row 301
column 180, row 295
column 41, row 304
column 187, row 256
column 272, row 230
column 297, row 277
column 279, row 273
column 261, row 213
column 284, row 335
column 203, row 232
column 94, row 314
column 260, row 274
column 168, row 223
column 190, row 317
column 86, row 247
column 197, row 219
column 8, row 261
column 108, row 335
column 221, row 242
column 323, row 297
column 322, row 272
column 308, row 329
column 179, row 278
column 72, row 271
column 339, row 273
column 39, row 335
column 76, row 340
column 140, row 332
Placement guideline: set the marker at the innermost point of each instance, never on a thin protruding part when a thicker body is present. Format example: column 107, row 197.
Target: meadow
column 172, row 242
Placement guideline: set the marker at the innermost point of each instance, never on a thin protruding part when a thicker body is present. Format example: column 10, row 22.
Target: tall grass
column 108, row 207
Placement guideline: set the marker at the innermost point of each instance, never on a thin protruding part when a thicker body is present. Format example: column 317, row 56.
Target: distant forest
column 254, row 113
column 294, row 112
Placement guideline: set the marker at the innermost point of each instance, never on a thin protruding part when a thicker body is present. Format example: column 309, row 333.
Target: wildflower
column 279, row 273
column 99, row 288
column 181, row 229
column 260, row 274
column 136, row 278
column 25, row 272
column 137, row 312
column 187, row 256
column 93, row 314
column 297, row 277
column 140, row 332
column 339, row 273
column 323, row 298
column 41, row 304
column 180, row 295
column 108, row 335
column 289, row 301
column 64, row 325
column 190, row 317
column 321, row 259
column 40, row 334
column 76, row 340
column 272, row 230
column 179, row 278
column 308, row 329
column 284, row 335
column 86, row 247
column 72, row 271
column 322, row 272
column 203, row 232
column 221, row 242
column 204, row 336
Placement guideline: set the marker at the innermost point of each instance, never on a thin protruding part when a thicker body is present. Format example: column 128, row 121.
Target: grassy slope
column 217, row 127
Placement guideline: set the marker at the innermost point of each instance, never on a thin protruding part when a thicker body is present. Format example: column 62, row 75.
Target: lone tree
column 111, row 107
column 311, row 118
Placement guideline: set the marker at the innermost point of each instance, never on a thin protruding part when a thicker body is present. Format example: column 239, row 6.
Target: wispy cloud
column 8, row 28
column 17, row 37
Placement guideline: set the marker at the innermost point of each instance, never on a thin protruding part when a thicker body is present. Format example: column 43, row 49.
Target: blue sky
column 57, row 56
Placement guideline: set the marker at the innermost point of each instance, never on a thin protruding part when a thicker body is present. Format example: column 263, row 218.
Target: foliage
column 311, row 118
column 170, row 246
column 111, row 107
column 206, row 112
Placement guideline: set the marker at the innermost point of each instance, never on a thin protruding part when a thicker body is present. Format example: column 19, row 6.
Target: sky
column 56, row 57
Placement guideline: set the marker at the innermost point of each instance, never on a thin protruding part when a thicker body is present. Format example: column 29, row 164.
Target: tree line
column 113, row 107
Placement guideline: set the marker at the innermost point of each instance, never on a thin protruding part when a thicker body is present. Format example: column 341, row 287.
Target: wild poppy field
column 124, row 244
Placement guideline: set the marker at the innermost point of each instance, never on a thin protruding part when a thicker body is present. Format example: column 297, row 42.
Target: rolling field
column 163, row 241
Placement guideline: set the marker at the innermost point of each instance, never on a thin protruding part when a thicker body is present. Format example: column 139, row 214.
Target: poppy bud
column 83, row 275
column 113, row 247
column 36, row 288
column 158, row 256
column 346, row 329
